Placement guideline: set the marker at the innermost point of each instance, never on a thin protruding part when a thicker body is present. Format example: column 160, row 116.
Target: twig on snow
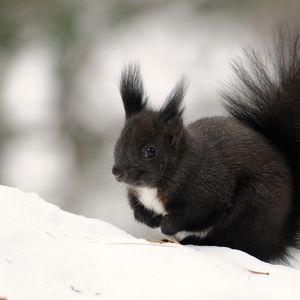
column 258, row 272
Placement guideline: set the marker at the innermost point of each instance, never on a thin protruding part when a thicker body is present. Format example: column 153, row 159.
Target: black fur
column 237, row 178
column 132, row 90
column 172, row 108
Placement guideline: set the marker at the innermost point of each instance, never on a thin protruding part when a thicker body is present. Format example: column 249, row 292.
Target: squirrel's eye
column 149, row 152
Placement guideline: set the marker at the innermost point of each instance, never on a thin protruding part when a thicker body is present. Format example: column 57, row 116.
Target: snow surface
column 47, row 253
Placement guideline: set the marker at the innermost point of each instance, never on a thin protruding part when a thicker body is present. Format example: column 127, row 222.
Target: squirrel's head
column 151, row 140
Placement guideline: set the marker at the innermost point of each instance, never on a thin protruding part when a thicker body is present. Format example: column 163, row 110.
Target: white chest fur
column 148, row 197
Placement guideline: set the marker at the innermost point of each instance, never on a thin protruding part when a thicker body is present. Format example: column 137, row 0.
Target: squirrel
column 231, row 180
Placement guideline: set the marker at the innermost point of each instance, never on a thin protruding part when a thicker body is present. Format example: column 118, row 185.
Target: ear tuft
column 172, row 109
column 132, row 90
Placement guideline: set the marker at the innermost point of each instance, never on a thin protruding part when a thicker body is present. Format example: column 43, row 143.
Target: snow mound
column 47, row 253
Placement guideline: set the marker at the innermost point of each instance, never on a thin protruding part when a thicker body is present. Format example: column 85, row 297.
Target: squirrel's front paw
column 146, row 217
column 170, row 225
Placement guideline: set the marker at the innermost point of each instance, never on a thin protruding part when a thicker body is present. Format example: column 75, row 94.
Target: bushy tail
column 266, row 97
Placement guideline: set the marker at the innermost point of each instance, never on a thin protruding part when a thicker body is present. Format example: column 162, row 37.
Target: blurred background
column 60, row 61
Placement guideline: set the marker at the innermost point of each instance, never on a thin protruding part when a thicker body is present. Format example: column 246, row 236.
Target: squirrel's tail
column 266, row 97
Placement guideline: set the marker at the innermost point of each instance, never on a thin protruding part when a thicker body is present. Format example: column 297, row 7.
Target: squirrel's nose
column 119, row 174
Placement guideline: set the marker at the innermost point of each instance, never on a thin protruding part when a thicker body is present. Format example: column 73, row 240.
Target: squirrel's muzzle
column 118, row 173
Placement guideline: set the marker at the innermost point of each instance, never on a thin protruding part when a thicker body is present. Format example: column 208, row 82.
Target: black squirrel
column 228, row 181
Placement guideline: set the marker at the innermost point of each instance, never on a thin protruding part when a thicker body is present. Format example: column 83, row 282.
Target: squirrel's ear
column 132, row 90
column 172, row 109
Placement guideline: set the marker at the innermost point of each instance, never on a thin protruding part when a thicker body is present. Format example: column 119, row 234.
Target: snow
column 47, row 253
